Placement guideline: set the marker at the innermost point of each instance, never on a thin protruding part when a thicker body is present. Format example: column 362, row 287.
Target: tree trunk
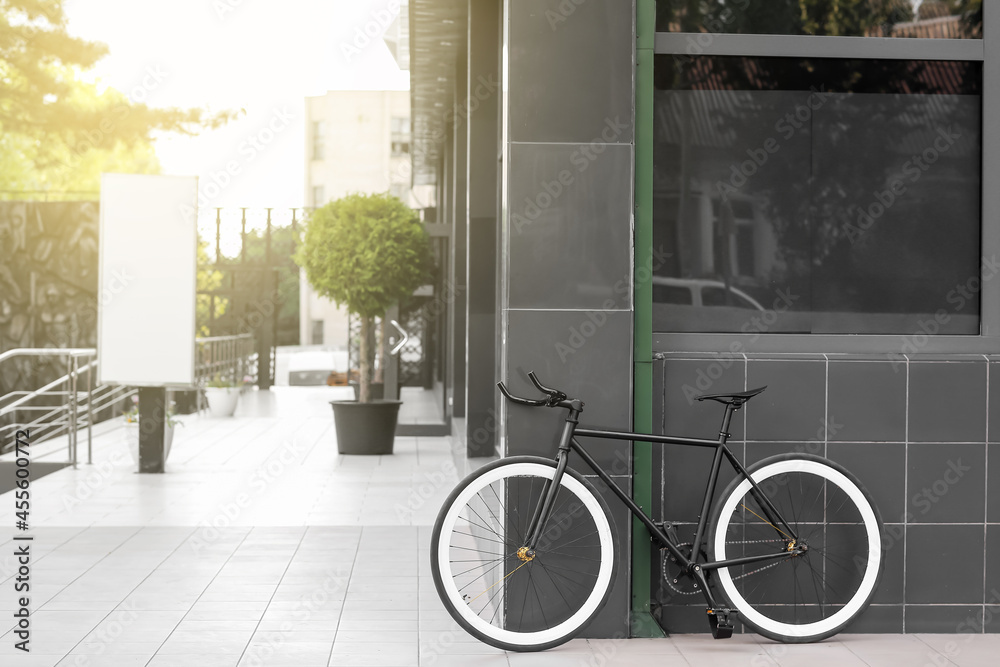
column 380, row 357
column 367, row 359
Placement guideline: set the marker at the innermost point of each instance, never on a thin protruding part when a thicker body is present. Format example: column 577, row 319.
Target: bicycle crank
column 676, row 577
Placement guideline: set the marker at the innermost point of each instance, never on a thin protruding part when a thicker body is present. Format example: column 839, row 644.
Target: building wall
column 566, row 234
column 357, row 157
column 923, row 435
column 918, row 429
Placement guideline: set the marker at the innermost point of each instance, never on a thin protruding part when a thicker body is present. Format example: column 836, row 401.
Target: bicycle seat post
column 724, row 430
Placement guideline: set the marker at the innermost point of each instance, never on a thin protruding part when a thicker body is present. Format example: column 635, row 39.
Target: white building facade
column 356, row 141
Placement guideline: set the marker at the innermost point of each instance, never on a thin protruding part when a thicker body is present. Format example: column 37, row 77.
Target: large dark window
column 948, row 19
column 844, row 195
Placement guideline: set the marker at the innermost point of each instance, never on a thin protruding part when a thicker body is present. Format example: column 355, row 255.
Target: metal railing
column 228, row 358
column 67, row 417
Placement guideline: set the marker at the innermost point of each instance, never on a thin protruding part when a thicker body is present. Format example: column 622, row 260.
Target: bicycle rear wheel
column 492, row 586
column 814, row 595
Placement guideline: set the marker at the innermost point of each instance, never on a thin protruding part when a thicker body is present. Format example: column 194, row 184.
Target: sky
column 260, row 58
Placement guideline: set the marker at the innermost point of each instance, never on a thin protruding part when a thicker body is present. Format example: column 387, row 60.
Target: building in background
column 356, row 141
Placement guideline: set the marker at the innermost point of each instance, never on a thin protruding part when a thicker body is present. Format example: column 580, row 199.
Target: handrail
column 10, row 407
column 48, row 352
column 232, row 356
column 71, row 407
column 219, row 339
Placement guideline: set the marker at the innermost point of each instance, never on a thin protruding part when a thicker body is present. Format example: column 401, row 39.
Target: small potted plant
column 132, row 430
column 222, row 395
column 365, row 252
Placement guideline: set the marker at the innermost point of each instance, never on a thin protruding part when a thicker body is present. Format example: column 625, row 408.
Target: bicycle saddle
column 736, row 399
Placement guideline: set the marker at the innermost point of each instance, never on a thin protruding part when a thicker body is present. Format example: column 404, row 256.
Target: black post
column 265, row 332
column 152, row 428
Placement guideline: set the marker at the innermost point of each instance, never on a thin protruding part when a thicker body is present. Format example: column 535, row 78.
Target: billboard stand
column 153, row 426
column 146, row 330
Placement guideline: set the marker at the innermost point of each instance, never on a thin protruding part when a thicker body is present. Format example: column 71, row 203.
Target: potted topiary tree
column 366, row 252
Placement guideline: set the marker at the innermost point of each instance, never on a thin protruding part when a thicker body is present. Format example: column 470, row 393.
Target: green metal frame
column 643, row 624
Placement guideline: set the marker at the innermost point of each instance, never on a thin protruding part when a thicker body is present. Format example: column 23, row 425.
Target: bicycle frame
column 568, row 443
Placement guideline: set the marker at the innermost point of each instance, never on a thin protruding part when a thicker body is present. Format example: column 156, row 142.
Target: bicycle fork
column 543, row 509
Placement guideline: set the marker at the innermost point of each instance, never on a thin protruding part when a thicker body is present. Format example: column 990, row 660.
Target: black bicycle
column 523, row 552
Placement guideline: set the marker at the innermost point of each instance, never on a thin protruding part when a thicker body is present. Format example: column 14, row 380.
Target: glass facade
column 953, row 19
column 841, row 194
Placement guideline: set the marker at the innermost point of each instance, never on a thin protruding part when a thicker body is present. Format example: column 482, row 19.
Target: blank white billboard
column 148, row 267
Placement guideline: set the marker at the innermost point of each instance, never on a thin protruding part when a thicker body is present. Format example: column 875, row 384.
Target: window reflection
column 842, row 194
column 950, row 19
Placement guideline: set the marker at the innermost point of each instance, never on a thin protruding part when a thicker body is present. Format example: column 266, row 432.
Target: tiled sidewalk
column 262, row 546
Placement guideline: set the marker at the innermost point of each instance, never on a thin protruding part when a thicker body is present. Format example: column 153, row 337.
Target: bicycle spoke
column 541, row 607
column 821, row 583
column 488, row 570
column 483, row 574
column 479, row 537
column 558, row 589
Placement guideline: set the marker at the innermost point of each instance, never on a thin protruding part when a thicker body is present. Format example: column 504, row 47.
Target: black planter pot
column 365, row 428
column 378, row 391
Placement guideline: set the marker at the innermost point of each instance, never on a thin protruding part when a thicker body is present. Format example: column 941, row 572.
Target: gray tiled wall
column 899, row 426
column 566, row 234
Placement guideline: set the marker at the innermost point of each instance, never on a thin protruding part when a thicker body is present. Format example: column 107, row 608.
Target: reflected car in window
column 701, row 292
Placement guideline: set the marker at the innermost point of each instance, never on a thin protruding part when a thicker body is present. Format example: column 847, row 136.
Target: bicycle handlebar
column 555, row 396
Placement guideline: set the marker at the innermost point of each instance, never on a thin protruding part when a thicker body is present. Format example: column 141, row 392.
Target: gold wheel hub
column 525, row 554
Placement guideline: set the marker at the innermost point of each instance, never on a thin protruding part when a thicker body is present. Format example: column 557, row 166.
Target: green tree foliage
column 286, row 301
column 366, row 252
column 56, row 131
column 26, row 174
column 208, row 278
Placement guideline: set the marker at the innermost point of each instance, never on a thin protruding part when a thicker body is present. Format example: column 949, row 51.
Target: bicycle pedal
column 721, row 622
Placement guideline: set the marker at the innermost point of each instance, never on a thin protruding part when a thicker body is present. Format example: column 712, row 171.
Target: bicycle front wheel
column 838, row 530
column 492, row 586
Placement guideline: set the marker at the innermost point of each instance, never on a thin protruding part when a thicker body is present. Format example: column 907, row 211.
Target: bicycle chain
column 669, row 579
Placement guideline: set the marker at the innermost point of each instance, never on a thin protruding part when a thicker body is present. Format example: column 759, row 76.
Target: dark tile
column 879, row 619
column 992, row 592
column 571, row 70
column 991, row 619
column 685, row 380
column 599, row 373
column 944, row 565
column 657, row 451
column 685, row 479
column 881, row 468
column 794, row 405
column 946, row 483
column 993, row 483
column 570, row 240
column 659, row 413
column 867, row 402
column 613, row 619
column 890, row 585
column 950, row 619
column 947, row 402
column 758, row 451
